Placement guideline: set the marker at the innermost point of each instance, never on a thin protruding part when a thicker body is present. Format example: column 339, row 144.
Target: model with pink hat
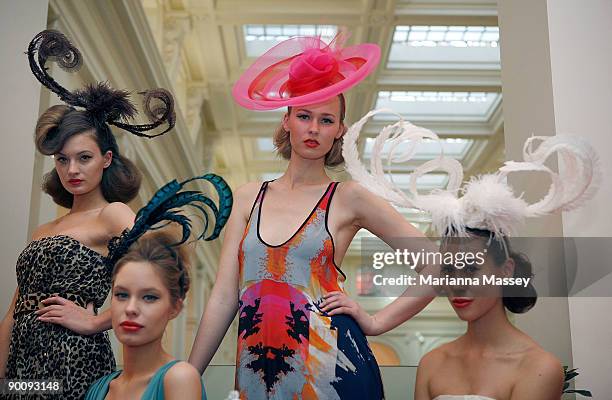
column 299, row 335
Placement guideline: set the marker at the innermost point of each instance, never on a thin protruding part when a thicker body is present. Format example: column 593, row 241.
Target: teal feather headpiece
column 166, row 206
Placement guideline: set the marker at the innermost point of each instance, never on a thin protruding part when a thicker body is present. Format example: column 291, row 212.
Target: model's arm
column 6, row 328
column 115, row 218
column 379, row 217
column 222, row 304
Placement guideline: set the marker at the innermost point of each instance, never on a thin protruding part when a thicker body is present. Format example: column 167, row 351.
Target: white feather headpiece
column 485, row 202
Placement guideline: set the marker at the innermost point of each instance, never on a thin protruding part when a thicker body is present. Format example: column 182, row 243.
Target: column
column 556, row 63
column 19, row 22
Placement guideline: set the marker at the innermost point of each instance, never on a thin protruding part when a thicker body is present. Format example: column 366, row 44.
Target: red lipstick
column 75, row 182
column 130, row 326
column 311, row 143
column 461, row 302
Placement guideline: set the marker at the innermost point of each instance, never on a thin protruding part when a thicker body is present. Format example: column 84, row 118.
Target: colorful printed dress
column 287, row 347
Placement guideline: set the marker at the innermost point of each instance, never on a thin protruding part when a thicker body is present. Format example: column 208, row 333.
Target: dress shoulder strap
column 260, row 195
column 329, row 193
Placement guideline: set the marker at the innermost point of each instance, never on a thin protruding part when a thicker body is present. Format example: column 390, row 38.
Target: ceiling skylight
column 441, row 47
column 260, row 38
column 468, row 106
column 444, row 36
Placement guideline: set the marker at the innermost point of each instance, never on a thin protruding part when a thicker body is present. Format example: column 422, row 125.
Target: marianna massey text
column 484, row 280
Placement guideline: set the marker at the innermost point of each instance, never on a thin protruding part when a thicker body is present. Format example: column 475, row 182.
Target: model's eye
column 121, row 295
column 85, row 157
column 470, row 269
column 150, row 298
column 327, row 121
column 304, row 117
column 61, row 159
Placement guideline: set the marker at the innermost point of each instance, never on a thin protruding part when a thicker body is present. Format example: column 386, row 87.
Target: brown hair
column 516, row 299
column 332, row 158
column 156, row 248
column 120, row 181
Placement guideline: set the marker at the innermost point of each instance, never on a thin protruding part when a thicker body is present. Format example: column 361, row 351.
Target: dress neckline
column 83, row 245
column 162, row 369
column 263, row 195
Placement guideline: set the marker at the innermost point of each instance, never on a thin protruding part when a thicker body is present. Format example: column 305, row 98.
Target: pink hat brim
column 291, row 48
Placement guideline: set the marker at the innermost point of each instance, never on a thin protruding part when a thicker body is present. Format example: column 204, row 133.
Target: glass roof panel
column 417, row 105
column 444, row 47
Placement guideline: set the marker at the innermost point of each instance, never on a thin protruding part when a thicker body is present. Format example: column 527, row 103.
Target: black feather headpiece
column 166, row 206
column 104, row 104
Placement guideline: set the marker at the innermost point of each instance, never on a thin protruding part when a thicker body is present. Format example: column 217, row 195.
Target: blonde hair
column 333, row 158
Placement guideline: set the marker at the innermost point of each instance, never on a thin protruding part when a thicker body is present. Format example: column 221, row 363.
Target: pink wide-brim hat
column 304, row 70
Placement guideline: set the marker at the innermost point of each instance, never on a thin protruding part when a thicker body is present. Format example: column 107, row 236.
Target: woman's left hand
column 339, row 303
column 66, row 313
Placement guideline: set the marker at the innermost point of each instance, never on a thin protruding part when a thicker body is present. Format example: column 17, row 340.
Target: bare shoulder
column 181, row 372
column 182, row 378
column 539, row 362
column 42, row 230
column 437, row 356
column 351, row 189
column 245, row 195
column 540, row 377
column 117, row 216
column 248, row 190
column 116, row 209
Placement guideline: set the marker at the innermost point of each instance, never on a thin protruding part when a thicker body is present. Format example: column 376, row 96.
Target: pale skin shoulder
column 541, row 377
column 182, row 381
column 42, row 231
column 244, row 196
column 430, row 363
column 372, row 212
column 116, row 217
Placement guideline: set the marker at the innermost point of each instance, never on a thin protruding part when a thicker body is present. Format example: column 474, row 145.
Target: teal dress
column 154, row 390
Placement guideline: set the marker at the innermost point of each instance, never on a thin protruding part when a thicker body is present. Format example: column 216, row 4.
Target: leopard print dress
column 41, row 350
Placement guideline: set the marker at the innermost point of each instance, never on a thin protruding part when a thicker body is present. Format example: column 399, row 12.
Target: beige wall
column 581, row 59
column 528, row 110
column 19, row 22
column 556, row 63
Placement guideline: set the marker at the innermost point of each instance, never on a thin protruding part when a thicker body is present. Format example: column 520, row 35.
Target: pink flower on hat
column 312, row 70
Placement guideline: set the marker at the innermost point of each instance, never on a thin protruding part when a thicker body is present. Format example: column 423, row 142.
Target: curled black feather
column 159, row 108
column 167, row 206
column 54, row 46
column 103, row 103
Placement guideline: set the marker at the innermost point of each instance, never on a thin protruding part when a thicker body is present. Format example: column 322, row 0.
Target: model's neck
column 492, row 329
column 144, row 360
column 88, row 201
column 303, row 172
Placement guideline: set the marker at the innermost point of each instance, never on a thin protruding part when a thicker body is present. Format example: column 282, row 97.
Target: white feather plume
column 487, row 201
